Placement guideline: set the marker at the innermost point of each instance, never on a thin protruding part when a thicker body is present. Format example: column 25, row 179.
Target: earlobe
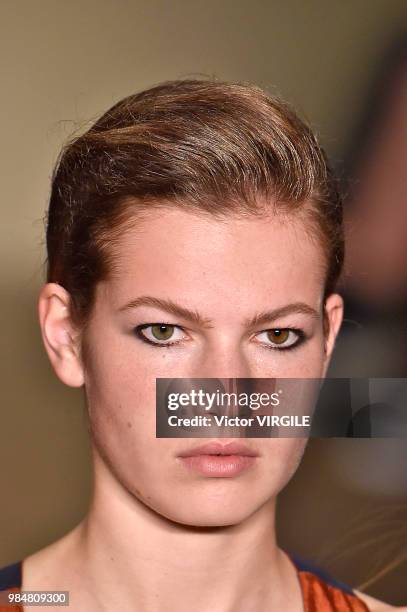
column 59, row 335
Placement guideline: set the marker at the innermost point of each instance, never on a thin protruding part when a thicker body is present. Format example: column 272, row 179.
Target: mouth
column 217, row 460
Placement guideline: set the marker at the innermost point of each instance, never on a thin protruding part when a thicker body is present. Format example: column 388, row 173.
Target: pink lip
column 219, row 460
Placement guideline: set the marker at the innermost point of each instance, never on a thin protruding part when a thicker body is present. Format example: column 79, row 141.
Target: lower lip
column 223, row 466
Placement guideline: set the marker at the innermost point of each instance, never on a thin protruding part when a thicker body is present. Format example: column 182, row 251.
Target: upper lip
column 216, row 448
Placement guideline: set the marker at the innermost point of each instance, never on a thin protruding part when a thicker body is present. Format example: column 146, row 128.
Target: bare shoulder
column 375, row 605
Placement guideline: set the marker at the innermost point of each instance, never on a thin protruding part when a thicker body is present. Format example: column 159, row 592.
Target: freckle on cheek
column 129, row 425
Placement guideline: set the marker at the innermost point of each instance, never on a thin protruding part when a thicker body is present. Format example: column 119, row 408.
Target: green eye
column 160, row 334
column 278, row 336
column 162, row 331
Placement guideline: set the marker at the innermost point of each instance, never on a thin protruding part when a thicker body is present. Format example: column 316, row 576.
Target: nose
column 224, row 362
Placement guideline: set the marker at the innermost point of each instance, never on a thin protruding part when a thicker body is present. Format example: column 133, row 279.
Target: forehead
column 188, row 255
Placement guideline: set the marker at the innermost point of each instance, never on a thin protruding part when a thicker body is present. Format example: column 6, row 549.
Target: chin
column 209, row 511
column 209, row 518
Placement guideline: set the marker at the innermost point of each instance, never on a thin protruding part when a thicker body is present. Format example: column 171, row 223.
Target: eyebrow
column 271, row 315
column 261, row 318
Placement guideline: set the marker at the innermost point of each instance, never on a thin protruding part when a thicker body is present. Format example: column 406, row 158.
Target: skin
column 156, row 532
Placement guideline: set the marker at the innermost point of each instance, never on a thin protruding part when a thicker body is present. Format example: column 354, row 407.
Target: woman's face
column 178, row 264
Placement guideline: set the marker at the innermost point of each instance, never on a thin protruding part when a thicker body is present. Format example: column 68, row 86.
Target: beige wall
column 63, row 63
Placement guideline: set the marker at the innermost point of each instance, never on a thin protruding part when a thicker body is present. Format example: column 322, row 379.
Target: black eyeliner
column 302, row 337
column 143, row 338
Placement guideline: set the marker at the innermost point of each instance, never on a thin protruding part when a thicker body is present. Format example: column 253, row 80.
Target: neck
column 131, row 553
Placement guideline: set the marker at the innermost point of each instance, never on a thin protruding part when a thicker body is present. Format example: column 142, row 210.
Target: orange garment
column 11, row 608
column 319, row 596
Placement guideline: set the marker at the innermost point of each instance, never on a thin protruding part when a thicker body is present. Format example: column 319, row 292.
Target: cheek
column 306, row 361
column 122, row 428
column 286, row 454
column 121, row 406
column 123, row 399
column 121, row 402
column 117, row 381
column 312, row 359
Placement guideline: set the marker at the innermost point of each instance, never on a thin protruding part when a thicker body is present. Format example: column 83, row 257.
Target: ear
column 334, row 316
column 61, row 339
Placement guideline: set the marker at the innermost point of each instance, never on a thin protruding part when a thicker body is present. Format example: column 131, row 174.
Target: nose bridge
column 224, row 359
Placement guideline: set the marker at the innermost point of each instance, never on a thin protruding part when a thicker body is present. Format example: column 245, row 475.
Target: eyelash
column 299, row 332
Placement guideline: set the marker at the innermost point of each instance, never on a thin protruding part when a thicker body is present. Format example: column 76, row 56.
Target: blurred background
column 343, row 65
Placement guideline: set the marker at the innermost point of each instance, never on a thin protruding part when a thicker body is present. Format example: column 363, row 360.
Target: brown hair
column 211, row 146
